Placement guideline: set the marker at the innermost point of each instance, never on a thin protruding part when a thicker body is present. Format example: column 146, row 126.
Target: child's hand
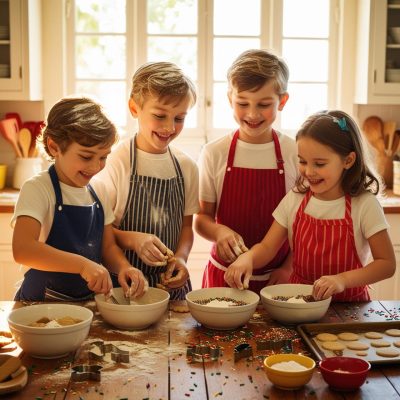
column 138, row 283
column 97, row 277
column 238, row 273
column 328, row 285
column 151, row 249
column 177, row 265
column 230, row 245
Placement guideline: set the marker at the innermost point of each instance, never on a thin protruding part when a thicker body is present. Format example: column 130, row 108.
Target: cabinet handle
column 20, row 72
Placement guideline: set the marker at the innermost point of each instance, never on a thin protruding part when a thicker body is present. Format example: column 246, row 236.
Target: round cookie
column 388, row 352
column 357, row 345
column 373, row 335
column 348, row 336
column 362, row 353
column 397, row 344
column 326, row 337
column 333, row 346
column 393, row 332
column 380, row 343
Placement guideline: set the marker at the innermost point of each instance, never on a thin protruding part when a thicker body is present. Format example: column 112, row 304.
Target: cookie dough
column 373, row 335
column 380, row 343
column 357, row 345
column 326, row 337
column 333, row 346
column 393, row 332
column 348, row 336
column 388, row 352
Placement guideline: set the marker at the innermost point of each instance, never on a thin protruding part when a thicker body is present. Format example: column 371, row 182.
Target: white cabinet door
column 10, row 273
column 389, row 289
column 378, row 55
column 20, row 50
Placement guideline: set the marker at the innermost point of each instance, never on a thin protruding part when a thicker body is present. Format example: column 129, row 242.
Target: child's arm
column 28, row 250
column 229, row 243
column 115, row 260
column 238, row 273
column 181, row 255
column 382, row 267
column 148, row 247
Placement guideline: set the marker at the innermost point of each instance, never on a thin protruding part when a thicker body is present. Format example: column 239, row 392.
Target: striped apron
column 75, row 229
column 325, row 247
column 248, row 198
column 155, row 206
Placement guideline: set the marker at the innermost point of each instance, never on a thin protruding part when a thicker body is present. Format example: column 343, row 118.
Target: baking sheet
column 309, row 331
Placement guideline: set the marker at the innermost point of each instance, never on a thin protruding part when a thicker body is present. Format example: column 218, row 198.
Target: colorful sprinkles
column 224, row 299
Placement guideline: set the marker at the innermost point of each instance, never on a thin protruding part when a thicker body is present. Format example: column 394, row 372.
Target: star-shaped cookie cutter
column 117, row 354
column 85, row 372
column 242, row 350
column 203, row 353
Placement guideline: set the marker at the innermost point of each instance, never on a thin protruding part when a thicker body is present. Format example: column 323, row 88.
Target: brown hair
column 340, row 132
column 80, row 120
column 254, row 68
column 163, row 80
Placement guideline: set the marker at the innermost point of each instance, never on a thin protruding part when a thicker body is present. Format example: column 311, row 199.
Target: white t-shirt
column 214, row 156
column 116, row 175
column 37, row 200
column 366, row 213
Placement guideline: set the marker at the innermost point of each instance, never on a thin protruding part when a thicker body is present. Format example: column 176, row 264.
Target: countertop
column 8, row 198
column 159, row 368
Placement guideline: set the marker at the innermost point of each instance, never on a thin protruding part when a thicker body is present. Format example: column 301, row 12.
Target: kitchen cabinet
column 389, row 289
column 378, row 52
column 10, row 272
column 20, row 50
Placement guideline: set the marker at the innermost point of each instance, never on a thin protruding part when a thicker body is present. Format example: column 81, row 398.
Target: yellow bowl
column 289, row 380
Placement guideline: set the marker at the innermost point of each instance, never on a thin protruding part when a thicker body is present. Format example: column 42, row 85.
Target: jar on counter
column 25, row 168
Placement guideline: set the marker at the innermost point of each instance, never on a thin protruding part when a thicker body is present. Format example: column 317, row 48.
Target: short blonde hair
column 254, row 68
column 163, row 80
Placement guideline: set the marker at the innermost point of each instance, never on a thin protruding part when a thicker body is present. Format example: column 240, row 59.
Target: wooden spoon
column 9, row 129
column 389, row 129
column 373, row 130
column 24, row 140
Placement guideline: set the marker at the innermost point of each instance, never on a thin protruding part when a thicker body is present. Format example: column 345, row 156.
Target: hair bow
column 342, row 123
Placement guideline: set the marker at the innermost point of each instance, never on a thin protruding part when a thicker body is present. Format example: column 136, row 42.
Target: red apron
column 248, row 198
column 325, row 247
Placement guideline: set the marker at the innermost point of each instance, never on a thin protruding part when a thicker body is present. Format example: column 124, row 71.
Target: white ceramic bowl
column 395, row 34
column 146, row 311
column 292, row 313
column 227, row 317
column 43, row 342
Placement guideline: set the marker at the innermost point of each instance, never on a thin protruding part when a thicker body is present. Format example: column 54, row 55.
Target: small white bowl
column 395, row 34
column 146, row 311
column 226, row 317
column 44, row 342
column 292, row 313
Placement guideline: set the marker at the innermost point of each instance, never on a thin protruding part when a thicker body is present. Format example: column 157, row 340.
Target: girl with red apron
column 248, row 198
column 325, row 247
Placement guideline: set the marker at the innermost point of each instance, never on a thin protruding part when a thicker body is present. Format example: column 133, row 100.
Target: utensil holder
column 24, row 169
column 396, row 176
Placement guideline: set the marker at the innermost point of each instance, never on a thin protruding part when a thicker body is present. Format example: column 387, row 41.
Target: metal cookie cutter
column 203, row 352
column 243, row 350
column 81, row 373
column 117, row 354
column 282, row 345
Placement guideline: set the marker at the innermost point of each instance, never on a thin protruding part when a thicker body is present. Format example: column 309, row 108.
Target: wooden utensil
column 9, row 129
column 396, row 143
column 389, row 129
column 373, row 130
column 24, row 140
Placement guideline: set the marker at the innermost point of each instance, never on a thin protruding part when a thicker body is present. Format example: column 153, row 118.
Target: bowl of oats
column 50, row 330
column 293, row 303
column 221, row 307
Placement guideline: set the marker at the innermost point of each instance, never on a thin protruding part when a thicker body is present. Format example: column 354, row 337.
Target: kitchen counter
column 8, row 198
column 159, row 368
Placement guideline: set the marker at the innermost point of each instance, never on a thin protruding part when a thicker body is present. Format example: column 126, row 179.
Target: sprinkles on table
column 232, row 302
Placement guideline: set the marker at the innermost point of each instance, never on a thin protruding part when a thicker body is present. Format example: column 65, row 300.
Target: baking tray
column 309, row 331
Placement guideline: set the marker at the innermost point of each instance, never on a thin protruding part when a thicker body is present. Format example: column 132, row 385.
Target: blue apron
column 75, row 229
column 155, row 206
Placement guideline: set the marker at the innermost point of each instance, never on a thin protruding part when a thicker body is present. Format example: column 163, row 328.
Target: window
column 109, row 39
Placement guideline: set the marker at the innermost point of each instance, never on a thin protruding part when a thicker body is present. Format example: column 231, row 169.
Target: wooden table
column 159, row 369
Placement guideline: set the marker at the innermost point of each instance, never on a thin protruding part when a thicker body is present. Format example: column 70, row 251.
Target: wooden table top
column 159, row 368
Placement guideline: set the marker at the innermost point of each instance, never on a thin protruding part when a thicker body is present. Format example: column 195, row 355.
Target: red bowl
column 344, row 373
